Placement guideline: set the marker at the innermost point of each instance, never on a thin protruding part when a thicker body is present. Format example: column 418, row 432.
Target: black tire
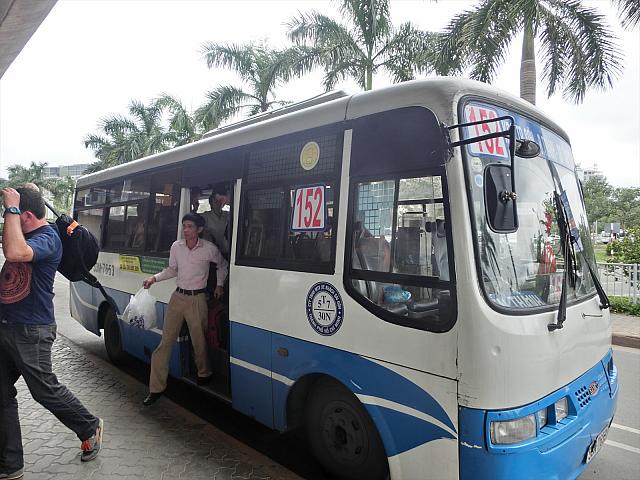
column 342, row 436
column 113, row 340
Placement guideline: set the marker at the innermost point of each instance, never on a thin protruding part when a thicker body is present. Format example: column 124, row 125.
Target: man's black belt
column 190, row 292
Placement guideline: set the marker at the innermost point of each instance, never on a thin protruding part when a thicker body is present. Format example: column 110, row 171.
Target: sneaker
column 17, row 475
column 92, row 445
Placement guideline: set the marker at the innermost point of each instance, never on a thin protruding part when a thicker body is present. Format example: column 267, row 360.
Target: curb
column 626, row 341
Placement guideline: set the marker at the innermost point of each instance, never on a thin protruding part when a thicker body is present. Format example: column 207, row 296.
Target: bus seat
column 374, row 254
column 439, row 254
column 322, row 250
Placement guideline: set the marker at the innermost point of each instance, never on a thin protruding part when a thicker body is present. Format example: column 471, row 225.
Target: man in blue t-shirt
column 32, row 250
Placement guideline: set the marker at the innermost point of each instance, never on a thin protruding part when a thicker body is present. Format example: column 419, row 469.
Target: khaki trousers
column 192, row 309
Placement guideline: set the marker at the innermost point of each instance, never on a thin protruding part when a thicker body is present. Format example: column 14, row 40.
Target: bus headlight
column 542, row 417
column 562, row 409
column 513, row 431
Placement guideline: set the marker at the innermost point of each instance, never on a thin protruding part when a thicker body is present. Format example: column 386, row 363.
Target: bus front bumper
column 561, row 447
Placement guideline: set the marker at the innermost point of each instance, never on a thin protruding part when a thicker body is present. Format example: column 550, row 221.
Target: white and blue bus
column 411, row 280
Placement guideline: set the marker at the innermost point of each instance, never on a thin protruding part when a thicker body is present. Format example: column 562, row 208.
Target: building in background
column 585, row 174
column 73, row 171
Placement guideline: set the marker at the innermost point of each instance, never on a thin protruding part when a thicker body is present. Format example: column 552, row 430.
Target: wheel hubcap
column 343, row 434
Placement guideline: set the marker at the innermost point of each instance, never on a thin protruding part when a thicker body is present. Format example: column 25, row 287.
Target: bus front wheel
column 113, row 339
column 342, row 436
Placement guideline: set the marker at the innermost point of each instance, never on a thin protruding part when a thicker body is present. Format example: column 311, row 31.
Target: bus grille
column 583, row 396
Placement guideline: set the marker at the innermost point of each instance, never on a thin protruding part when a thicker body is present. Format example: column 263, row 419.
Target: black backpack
column 79, row 252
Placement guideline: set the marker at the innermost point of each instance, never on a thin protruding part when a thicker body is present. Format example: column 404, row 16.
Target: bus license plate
column 597, row 444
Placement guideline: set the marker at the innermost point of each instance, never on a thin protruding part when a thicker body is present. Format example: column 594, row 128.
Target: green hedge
column 624, row 305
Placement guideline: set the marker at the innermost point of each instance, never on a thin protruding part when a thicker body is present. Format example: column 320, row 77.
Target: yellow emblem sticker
column 130, row 263
column 310, row 155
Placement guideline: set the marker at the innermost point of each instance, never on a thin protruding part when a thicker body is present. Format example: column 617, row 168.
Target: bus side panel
column 251, row 372
column 415, row 413
column 141, row 343
column 83, row 305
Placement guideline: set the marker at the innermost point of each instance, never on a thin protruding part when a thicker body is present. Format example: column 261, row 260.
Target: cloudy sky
column 90, row 58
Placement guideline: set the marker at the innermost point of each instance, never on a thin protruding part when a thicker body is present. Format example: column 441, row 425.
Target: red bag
column 214, row 325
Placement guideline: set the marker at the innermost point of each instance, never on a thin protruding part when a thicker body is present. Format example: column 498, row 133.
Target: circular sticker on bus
column 310, row 155
column 479, row 180
column 476, row 164
column 324, row 308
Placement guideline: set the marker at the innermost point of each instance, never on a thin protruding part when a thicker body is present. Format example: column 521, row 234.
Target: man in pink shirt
column 188, row 261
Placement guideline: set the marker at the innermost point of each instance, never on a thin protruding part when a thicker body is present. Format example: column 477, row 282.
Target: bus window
column 313, row 245
column 263, row 220
column 287, row 208
column 90, row 197
column 135, row 226
column 115, row 237
column 162, row 230
column 92, row 220
column 129, row 189
column 399, row 255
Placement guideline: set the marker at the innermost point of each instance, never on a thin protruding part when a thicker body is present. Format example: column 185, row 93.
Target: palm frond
column 595, row 60
column 222, row 103
column 405, row 52
column 182, row 129
column 629, row 13
column 240, row 58
column 371, row 19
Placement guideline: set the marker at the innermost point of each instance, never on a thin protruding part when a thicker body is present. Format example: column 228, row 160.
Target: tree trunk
column 369, row 78
column 528, row 67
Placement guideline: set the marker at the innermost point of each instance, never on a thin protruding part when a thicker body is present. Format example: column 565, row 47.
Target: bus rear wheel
column 113, row 339
column 342, row 436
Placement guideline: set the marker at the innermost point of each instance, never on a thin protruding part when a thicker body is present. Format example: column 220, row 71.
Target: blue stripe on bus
column 258, row 348
column 556, row 453
column 403, row 432
column 359, row 374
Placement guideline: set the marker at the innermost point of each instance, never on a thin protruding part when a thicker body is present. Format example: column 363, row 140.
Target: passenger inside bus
column 217, row 218
column 136, row 226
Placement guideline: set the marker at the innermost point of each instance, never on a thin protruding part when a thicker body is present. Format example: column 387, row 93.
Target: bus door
column 214, row 202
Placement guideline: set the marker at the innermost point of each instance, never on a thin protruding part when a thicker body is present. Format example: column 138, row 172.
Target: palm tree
column 629, row 11
column 126, row 139
column 260, row 68
column 578, row 47
column 366, row 44
column 182, row 127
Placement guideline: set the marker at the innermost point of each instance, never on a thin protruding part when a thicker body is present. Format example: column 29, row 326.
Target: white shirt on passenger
column 191, row 266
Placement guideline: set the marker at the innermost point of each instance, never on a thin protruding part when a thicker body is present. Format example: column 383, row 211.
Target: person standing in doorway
column 216, row 227
column 32, row 250
column 188, row 261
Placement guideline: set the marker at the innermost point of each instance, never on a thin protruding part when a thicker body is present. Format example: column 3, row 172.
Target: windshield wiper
column 568, row 252
column 570, row 264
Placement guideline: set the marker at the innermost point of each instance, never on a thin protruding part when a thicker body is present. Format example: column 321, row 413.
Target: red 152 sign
column 308, row 208
column 493, row 146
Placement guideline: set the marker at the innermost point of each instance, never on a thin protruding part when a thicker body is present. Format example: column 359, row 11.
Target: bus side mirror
column 500, row 199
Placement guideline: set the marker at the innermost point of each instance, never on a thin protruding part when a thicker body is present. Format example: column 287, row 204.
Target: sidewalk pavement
column 161, row 442
column 626, row 330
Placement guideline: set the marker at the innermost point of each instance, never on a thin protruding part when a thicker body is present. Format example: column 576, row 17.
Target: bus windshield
column 524, row 270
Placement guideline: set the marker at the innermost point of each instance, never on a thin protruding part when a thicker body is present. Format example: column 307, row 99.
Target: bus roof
column 440, row 94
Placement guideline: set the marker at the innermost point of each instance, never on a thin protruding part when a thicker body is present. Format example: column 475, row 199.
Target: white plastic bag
column 141, row 311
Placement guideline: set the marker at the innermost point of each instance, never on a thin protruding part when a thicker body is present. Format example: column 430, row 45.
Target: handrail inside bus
column 309, row 102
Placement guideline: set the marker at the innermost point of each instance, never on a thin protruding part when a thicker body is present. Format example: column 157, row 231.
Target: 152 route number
column 308, row 209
